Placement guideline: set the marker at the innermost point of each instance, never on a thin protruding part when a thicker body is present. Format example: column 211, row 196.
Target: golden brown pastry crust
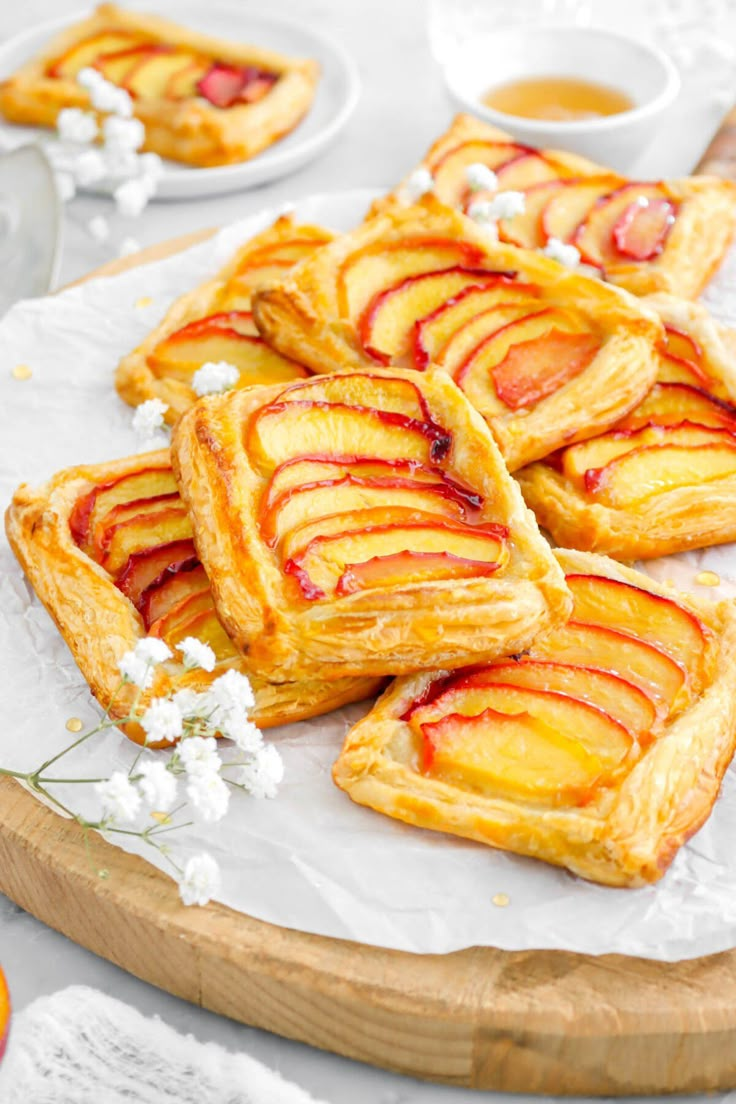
column 192, row 130
column 626, row 836
column 673, row 521
column 371, row 632
column 302, row 316
column 694, row 249
column 99, row 623
column 134, row 379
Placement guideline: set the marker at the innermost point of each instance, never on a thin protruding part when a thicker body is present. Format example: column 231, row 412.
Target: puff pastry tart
column 602, row 749
column 646, row 236
column 203, row 100
column 108, row 549
column 362, row 524
column 545, row 354
column 215, row 323
column 664, row 478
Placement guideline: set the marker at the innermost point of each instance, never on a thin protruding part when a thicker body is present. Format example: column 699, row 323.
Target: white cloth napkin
column 79, row 1046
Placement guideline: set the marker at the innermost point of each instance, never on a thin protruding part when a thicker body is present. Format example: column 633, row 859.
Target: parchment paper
column 310, row 859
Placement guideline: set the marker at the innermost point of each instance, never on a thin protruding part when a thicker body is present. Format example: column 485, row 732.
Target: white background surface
column 403, row 108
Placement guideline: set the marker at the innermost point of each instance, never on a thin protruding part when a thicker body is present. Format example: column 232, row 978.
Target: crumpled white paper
column 310, row 859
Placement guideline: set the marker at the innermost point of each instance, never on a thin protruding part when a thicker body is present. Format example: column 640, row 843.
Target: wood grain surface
column 719, row 158
column 541, row 1021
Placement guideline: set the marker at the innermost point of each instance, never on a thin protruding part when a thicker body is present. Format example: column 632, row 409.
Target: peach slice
column 319, row 567
column 282, row 431
column 182, row 612
column 525, row 229
column 659, row 621
column 370, row 270
column 148, row 566
column 150, row 79
column 307, row 471
column 4, row 1014
column 118, row 66
column 178, row 581
column 583, row 462
column 84, row 53
column 349, row 494
column 672, row 403
column 569, row 206
column 681, row 360
column 620, row 699
column 644, row 472
column 459, row 348
column 90, row 507
column 137, row 533
column 203, row 624
column 518, row 754
column 433, row 332
column 392, row 394
column 448, row 171
column 524, row 172
column 182, row 84
column 124, row 512
column 405, row 568
column 534, row 369
column 386, row 327
column 595, row 235
column 642, row 229
column 594, row 729
column 604, row 649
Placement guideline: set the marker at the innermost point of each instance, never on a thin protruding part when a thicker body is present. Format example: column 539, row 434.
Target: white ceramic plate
column 337, row 92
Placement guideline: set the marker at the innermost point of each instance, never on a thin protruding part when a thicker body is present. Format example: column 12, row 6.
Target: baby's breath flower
column 233, row 691
column 119, row 798
column 120, row 133
column 157, row 785
column 131, row 197
column 199, row 756
column 209, row 795
column 89, row 77
column 200, row 881
column 148, row 417
column 196, row 654
column 136, row 670
column 162, row 721
column 190, row 703
column 480, row 178
column 419, row 183
column 262, row 776
column 65, row 186
column 99, row 228
column 151, row 165
column 107, row 97
column 243, row 732
column 128, row 246
column 559, row 251
column 120, row 164
column 89, row 168
column 215, row 376
column 505, row 205
column 152, row 649
column 75, row 125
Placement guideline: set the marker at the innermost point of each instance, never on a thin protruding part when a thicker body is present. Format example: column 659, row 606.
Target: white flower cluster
column 564, row 254
column 502, row 205
column 215, row 376
column 190, row 720
column 419, row 183
column 148, row 419
column 133, row 177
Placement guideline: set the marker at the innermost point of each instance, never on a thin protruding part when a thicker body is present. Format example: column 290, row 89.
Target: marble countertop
column 403, row 107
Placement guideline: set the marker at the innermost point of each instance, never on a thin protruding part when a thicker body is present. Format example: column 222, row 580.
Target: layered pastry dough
column 108, row 549
column 601, row 750
column 646, row 236
column 545, row 354
column 664, row 478
column 362, row 523
column 214, row 323
column 203, row 100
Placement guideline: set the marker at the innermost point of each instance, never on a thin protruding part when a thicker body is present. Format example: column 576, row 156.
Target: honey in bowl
column 556, row 99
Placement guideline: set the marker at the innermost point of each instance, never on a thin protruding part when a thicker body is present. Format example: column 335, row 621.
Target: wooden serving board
column 536, row 1021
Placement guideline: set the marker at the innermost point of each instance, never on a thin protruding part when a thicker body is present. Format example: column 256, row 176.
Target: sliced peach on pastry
column 205, row 626
column 524, row 172
column 642, row 229
column 526, row 229
column 570, row 205
column 595, row 454
column 386, row 326
column 149, row 80
column 118, row 66
column 287, row 253
column 307, row 471
column 137, row 533
column 348, row 494
column 605, row 649
column 517, row 754
column 326, row 559
column 176, row 582
column 107, row 523
column 681, row 361
column 654, row 618
column 595, row 235
column 89, row 507
column 449, row 170
column 382, row 265
column 672, row 403
column 620, row 699
column 180, row 613
column 405, row 568
column 148, row 566
column 461, row 345
column 182, row 84
column 432, row 333
column 82, row 54
column 226, row 85
column 282, row 431
column 392, row 394
column 381, row 518
column 594, row 729
column 644, row 472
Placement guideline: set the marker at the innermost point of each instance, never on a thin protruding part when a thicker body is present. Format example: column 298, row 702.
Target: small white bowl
column 643, row 72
